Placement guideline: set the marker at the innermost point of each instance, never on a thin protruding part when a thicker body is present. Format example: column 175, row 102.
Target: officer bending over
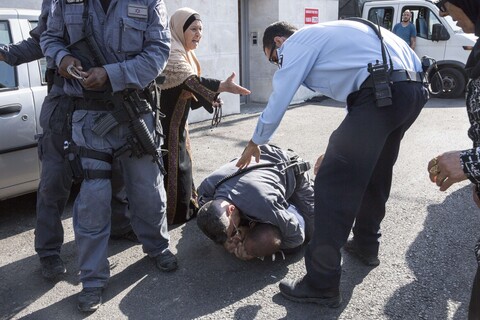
column 379, row 77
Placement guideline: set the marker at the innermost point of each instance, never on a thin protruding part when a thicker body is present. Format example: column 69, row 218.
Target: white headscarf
column 181, row 63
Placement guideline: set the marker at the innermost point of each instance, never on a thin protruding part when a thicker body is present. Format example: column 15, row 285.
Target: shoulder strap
column 375, row 28
column 242, row 171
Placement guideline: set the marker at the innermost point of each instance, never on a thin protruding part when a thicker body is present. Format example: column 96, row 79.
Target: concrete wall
column 261, row 71
column 218, row 50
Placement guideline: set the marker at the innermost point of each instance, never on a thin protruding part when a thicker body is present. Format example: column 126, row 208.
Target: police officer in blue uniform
column 382, row 83
column 134, row 40
column 55, row 181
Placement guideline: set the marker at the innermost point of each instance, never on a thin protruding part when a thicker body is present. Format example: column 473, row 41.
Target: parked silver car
column 22, row 90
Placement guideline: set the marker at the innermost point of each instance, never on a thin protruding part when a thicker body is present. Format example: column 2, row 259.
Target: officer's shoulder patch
column 137, row 11
column 73, row 1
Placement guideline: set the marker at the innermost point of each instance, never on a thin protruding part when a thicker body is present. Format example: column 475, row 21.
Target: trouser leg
column 147, row 200
column 372, row 210
column 91, row 221
column 52, row 195
column 55, row 181
column 349, row 164
column 92, row 208
column 120, row 214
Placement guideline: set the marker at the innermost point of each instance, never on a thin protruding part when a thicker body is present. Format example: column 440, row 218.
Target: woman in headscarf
column 184, row 88
column 454, row 166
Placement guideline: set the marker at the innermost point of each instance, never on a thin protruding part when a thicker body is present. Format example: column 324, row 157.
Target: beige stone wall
column 218, row 50
column 267, row 12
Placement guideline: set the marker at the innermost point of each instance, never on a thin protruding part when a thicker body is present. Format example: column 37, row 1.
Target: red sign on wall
column 311, row 16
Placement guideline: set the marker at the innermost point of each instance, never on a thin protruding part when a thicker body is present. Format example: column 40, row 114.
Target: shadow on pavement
column 442, row 251
column 208, row 279
column 23, row 284
column 353, row 273
column 18, row 213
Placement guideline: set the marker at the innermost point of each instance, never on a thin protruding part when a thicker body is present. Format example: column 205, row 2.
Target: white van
column 437, row 37
column 22, row 91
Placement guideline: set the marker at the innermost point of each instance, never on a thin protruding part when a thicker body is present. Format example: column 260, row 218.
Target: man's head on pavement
column 263, row 240
column 465, row 12
column 219, row 220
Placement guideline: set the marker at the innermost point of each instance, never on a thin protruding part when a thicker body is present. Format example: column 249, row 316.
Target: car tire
column 453, row 83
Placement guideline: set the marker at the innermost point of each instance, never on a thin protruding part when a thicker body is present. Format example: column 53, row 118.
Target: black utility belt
column 397, row 76
column 93, row 104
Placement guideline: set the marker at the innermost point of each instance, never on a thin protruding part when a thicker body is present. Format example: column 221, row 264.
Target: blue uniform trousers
column 354, row 180
column 55, row 181
column 92, row 210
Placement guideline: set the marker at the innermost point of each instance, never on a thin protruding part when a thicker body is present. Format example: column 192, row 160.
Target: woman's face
column 192, row 35
column 457, row 14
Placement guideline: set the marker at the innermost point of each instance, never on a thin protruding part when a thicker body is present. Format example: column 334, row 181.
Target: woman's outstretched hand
column 230, row 86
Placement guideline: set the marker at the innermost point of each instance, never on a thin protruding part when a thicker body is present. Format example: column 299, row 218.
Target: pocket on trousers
column 82, row 134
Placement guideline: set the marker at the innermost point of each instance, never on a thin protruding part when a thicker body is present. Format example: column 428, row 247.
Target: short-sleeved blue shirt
column 406, row 33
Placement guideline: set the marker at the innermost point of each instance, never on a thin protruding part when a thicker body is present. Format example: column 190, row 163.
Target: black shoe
column 129, row 235
column 52, row 266
column 90, row 299
column 368, row 259
column 301, row 291
column 166, row 261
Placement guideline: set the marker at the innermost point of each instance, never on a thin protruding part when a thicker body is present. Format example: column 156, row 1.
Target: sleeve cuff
column 470, row 162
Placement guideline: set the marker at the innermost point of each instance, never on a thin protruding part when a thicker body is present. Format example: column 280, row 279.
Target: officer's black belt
column 91, row 174
column 397, row 76
column 93, row 104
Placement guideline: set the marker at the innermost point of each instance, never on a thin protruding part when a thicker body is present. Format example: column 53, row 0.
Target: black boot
column 52, row 266
column 301, row 291
column 90, row 299
column 367, row 258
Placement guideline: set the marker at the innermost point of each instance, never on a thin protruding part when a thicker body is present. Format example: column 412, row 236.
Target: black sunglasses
column 441, row 5
column 272, row 59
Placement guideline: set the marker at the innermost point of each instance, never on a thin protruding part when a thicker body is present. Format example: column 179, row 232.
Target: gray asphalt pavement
column 427, row 262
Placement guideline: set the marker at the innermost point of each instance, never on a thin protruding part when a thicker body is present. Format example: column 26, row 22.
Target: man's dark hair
column 209, row 220
column 280, row 29
column 263, row 240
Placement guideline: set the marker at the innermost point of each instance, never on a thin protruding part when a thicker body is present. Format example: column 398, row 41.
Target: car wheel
column 447, row 83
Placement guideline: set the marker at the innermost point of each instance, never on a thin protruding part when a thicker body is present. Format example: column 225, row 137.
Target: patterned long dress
column 470, row 161
column 175, row 103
